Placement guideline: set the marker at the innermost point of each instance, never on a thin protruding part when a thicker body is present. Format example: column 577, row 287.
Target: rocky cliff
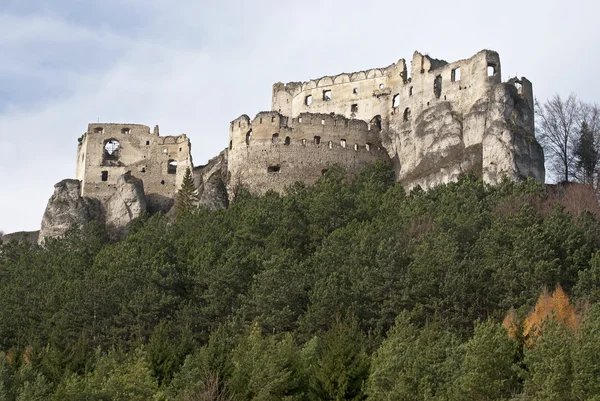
column 67, row 209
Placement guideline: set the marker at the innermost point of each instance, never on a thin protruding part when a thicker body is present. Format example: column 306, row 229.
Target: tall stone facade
column 440, row 120
column 107, row 151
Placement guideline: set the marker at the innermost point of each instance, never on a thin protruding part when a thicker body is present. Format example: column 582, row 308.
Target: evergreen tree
column 586, row 366
column 488, row 370
column 186, row 196
column 341, row 365
column 549, row 364
column 587, row 155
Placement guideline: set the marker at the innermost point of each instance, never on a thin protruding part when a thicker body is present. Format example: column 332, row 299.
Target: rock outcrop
column 127, row 203
column 26, row 237
column 211, row 183
column 67, row 210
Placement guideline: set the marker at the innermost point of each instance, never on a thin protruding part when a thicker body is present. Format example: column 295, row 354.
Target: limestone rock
column 125, row 204
column 67, row 210
column 210, row 181
column 26, row 237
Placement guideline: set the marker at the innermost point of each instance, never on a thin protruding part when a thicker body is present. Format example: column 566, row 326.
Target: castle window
column 248, row 137
column 519, row 87
column 260, row 120
column 406, row 114
column 317, row 140
column 322, row 122
column 343, row 143
column 491, row 69
column 164, row 150
column 355, row 91
column 147, row 143
column 396, row 101
column 327, row 95
column 272, row 119
column 230, row 145
column 410, row 91
column 381, row 86
column 111, row 149
column 300, row 120
column 273, row 169
column 354, row 108
column 125, row 131
column 437, row 86
column 304, row 142
column 287, row 140
column 356, row 147
column 368, row 146
column 172, row 167
column 330, row 145
column 455, row 75
column 143, row 169
column 104, row 176
column 275, row 139
column 98, row 130
column 308, row 100
column 162, row 182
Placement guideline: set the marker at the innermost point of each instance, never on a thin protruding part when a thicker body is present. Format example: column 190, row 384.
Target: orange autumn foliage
column 557, row 306
column 510, row 323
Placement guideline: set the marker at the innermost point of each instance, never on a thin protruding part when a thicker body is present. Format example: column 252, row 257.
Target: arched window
column 248, row 137
column 406, row 114
column 125, row 130
column 275, row 139
column 172, row 167
column 287, row 140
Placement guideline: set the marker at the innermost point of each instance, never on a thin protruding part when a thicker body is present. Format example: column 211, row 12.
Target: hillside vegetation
column 351, row 289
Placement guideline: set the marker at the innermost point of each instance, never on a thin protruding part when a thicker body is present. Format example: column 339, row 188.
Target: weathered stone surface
column 67, row 210
column 126, row 203
column 211, row 183
column 28, row 237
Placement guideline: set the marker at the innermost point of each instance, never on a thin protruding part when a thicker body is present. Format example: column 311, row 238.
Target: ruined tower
column 107, row 151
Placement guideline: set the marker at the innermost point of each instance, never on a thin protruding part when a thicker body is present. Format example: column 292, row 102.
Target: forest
column 350, row 289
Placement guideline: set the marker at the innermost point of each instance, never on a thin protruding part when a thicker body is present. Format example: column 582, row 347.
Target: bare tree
column 558, row 126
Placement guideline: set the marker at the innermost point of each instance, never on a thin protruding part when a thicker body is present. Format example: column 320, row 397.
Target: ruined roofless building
column 107, row 151
column 439, row 121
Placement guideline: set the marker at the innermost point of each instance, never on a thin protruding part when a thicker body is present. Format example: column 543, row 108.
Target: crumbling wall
column 160, row 162
column 273, row 151
column 439, row 121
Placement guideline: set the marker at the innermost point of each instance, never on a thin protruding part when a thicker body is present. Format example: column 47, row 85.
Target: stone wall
column 160, row 162
column 274, row 151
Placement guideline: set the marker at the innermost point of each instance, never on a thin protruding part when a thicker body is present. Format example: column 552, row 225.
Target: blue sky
column 193, row 66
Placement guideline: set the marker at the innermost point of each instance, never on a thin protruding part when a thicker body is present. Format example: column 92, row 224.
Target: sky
column 193, row 66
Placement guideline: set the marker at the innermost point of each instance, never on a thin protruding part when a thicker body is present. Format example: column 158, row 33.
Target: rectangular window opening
column 455, row 74
column 104, row 176
column 354, row 108
column 317, row 140
column 273, row 169
column 327, row 95
column 308, row 100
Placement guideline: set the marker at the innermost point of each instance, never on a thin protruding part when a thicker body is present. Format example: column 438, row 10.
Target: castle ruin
column 433, row 123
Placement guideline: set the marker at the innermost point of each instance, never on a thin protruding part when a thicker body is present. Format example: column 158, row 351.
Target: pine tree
column 586, row 154
column 186, row 196
column 488, row 371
